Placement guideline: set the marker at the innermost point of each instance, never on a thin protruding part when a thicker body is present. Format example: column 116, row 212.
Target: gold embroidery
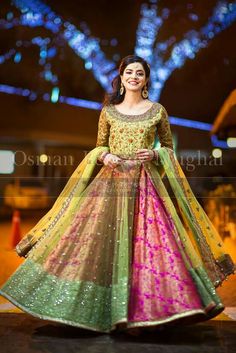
column 151, row 112
column 164, row 131
column 103, row 129
column 124, row 134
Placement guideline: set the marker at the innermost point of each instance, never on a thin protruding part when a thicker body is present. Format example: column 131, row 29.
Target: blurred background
column 57, row 59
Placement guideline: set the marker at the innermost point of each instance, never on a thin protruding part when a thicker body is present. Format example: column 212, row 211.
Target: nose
column 134, row 75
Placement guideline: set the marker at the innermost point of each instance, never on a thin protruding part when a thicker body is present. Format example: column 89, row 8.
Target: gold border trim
column 113, row 327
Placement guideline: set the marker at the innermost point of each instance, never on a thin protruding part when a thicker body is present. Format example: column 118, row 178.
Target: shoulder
column 109, row 111
column 159, row 112
column 103, row 109
column 103, row 112
column 160, row 108
column 104, row 117
column 106, row 108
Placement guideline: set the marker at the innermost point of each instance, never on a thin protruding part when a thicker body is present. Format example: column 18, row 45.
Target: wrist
column 108, row 154
column 103, row 155
column 155, row 154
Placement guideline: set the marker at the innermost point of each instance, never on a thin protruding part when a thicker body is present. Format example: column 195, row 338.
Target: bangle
column 107, row 154
column 103, row 155
column 155, row 154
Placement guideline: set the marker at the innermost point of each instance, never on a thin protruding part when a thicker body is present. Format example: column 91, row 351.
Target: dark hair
column 115, row 97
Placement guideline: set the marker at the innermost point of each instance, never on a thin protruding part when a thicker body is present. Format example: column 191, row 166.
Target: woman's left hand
column 145, row 155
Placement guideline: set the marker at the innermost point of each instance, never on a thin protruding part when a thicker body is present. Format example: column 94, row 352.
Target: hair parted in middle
column 115, row 97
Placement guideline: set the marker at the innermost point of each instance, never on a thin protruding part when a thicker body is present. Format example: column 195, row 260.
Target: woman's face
column 134, row 77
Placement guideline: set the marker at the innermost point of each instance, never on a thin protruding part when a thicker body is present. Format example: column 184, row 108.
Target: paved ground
column 25, row 334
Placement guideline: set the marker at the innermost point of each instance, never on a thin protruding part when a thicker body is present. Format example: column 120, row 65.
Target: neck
column 132, row 98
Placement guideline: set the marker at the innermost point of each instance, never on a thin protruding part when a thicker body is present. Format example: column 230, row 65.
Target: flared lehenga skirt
column 113, row 257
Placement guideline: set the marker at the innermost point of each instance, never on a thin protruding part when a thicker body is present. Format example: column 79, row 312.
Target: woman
column 113, row 252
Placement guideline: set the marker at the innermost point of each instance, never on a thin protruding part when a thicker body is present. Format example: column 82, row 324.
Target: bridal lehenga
column 115, row 248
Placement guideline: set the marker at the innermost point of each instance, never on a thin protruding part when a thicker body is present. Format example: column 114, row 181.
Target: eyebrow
column 137, row 70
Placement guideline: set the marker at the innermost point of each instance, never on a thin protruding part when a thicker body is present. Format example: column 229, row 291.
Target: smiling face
column 134, row 77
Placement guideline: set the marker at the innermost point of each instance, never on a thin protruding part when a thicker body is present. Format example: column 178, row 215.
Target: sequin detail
column 161, row 285
column 94, row 286
column 134, row 117
column 90, row 266
column 83, row 304
column 125, row 134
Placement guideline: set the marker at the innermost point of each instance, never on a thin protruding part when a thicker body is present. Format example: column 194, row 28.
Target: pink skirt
column 161, row 286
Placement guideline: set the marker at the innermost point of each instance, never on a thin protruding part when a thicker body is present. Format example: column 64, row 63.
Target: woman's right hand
column 111, row 160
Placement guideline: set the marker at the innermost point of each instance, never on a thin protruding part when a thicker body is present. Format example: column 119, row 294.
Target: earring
column 145, row 92
column 122, row 89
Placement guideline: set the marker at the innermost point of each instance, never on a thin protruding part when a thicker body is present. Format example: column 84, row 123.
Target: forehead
column 135, row 66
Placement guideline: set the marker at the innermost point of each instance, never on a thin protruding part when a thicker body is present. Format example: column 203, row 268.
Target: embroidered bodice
column 124, row 134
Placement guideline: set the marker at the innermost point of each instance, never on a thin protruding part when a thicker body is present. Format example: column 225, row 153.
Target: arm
column 103, row 133
column 165, row 139
column 106, row 157
column 103, row 129
column 164, row 131
column 164, row 136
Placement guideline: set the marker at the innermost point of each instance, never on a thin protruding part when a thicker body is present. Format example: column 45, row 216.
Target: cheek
column 141, row 79
column 126, row 77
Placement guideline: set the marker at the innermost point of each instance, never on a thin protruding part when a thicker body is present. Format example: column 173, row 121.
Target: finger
column 142, row 150
column 142, row 153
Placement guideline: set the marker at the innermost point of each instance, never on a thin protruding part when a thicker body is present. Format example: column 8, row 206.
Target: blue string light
column 17, row 58
column 15, row 90
column 81, row 103
column 193, row 124
column 85, row 46
column 224, row 14
column 35, row 13
column 55, row 95
column 218, row 143
column 190, row 123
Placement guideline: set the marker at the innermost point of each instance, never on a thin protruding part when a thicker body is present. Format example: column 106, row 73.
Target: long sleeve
column 164, row 131
column 103, row 129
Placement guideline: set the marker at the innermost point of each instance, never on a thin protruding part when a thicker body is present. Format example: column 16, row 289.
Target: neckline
column 134, row 115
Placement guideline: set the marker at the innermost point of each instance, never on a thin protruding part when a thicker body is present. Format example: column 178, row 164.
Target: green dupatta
column 204, row 241
column 77, row 182
column 201, row 232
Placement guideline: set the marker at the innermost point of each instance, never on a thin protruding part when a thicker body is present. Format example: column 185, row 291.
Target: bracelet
column 155, row 154
column 107, row 154
column 103, row 155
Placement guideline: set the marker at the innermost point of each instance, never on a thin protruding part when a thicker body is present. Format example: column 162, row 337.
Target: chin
column 133, row 89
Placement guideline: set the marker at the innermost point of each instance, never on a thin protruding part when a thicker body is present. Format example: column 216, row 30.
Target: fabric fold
column 201, row 231
column 113, row 249
column 77, row 182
